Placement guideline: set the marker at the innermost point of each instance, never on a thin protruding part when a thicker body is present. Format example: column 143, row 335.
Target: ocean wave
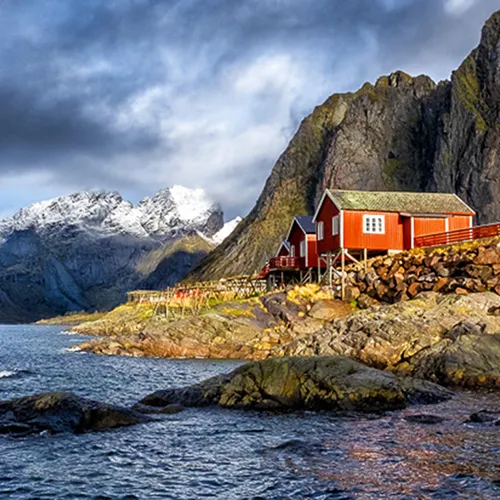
column 74, row 348
column 13, row 373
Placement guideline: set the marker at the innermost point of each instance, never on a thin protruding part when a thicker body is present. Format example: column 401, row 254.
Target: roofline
column 287, row 238
column 472, row 211
column 295, row 220
column 322, row 200
column 328, row 193
column 285, row 244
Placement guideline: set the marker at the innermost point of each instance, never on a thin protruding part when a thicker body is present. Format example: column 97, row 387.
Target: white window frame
column 374, row 224
column 335, row 225
column 321, row 230
column 303, row 248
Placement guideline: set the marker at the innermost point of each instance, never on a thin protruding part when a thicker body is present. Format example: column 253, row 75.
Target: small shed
column 284, row 249
column 301, row 239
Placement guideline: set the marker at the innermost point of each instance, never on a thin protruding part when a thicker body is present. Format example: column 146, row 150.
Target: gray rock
column 58, row 412
column 316, row 383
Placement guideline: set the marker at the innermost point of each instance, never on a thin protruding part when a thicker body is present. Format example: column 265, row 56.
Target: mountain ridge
column 84, row 251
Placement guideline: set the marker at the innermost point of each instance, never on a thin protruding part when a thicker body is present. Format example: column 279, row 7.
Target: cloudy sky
column 136, row 95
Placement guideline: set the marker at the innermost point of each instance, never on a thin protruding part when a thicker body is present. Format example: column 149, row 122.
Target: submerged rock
column 425, row 419
column 316, row 383
column 58, row 412
column 485, row 416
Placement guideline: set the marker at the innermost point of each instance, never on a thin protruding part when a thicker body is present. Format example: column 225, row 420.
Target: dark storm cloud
column 136, row 94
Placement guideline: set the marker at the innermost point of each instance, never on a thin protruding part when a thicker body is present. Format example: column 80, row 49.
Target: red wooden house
column 284, row 249
column 297, row 256
column 358, row 223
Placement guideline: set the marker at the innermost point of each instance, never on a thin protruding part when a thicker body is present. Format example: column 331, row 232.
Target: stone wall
column 459, row 269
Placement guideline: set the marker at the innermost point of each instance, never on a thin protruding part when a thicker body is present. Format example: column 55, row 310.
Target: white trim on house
column 290, row 230
column 285, row 244
column 326, row 193
column 341, row 229
column 412, row 231
column 335, row 225
column 320, row 230
column 463, row 202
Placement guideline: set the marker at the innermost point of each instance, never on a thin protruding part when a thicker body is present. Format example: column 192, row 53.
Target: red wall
column 428, row 225
column 459, row 222
column 296, row 236
column 327, row 212
column 283, row 252
column 355, row 238
column 312, row 253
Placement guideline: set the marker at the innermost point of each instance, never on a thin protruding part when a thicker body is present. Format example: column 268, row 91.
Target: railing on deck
column 457, row 236
column 284, row 263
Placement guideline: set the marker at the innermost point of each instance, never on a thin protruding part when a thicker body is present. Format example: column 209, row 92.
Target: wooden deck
column 458, row 236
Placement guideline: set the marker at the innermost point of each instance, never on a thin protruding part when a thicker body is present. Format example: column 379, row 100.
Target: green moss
column 390, row 170
column 238, row 313
column 469, row 92
column 375, row 93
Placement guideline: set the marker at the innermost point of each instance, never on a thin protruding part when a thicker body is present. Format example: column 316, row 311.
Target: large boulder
column 317, row 383
column 58, row 412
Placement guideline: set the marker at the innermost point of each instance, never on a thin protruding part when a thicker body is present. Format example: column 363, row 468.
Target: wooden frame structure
column 197, row 297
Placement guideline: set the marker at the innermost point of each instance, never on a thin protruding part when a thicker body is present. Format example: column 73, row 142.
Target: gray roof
column 306, row 222
column 401, row 202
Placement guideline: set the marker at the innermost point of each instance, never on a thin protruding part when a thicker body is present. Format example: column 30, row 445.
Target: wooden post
column 330, row 268
column 319, row 269
column 343, row 273
column 365, row 258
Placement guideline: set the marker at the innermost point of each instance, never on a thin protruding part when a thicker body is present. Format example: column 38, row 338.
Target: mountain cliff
column 84, row 251
column 403, row 133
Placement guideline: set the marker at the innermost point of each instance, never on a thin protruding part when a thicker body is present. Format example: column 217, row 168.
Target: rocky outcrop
column 85, row 251
column 248, row 329
column 58, row 412
column 318, row 383
column 452, row 340
column 232, row 330
column 403, row 133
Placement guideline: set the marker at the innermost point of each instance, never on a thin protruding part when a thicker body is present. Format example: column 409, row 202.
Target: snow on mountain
column 170, row 213
column 226, row 230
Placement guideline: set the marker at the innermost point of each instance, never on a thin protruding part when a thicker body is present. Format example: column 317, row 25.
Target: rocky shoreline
column 447, row 333
column 450, row 339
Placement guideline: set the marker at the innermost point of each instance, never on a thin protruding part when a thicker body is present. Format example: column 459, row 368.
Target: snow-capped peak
column 227, row 229
column 192, row 204
column 170, row 213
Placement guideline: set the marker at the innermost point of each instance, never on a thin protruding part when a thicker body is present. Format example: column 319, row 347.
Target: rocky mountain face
column 84, row 251
column 402, row 133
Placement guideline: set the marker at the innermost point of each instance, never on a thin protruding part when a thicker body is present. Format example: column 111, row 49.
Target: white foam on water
column 7, row 373
column 72, row 349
